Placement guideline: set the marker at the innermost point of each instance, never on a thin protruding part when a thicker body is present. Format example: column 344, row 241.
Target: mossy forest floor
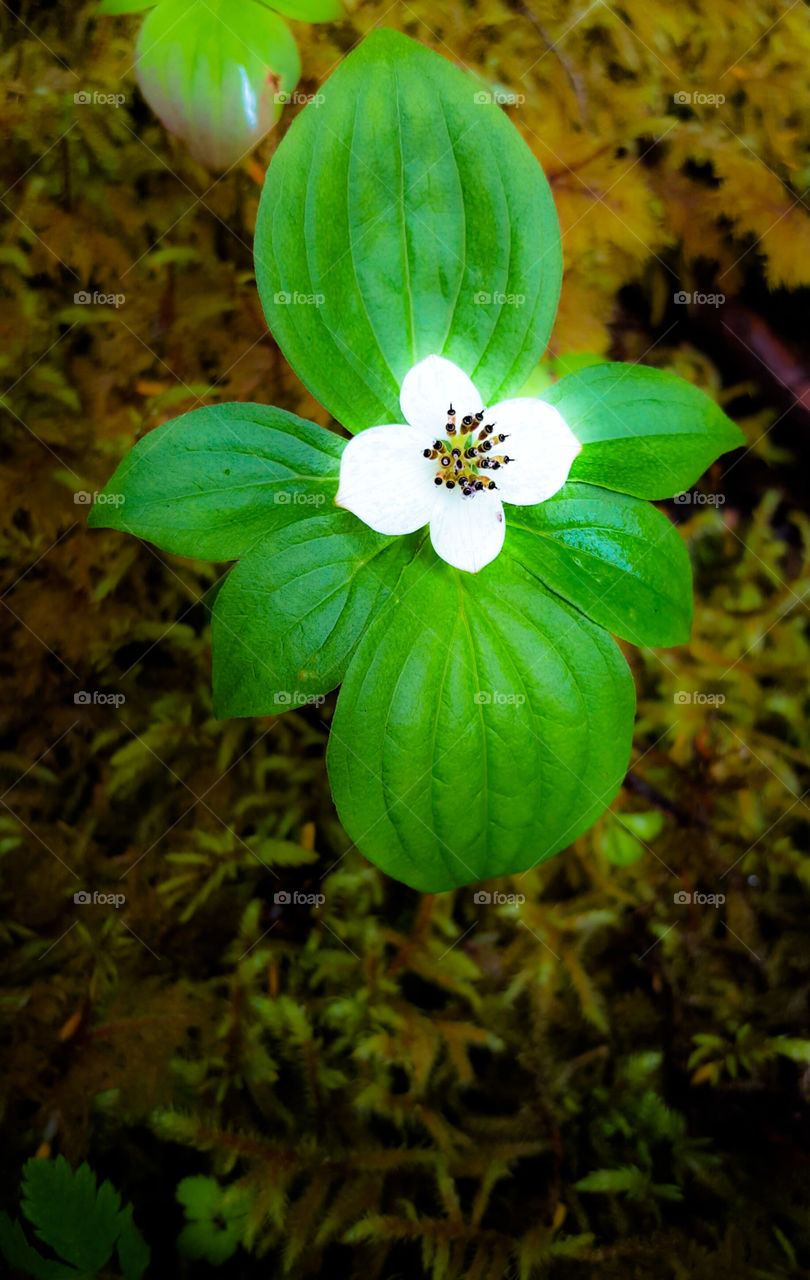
column 602, row 1081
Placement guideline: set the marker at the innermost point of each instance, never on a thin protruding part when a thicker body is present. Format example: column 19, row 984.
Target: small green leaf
column 627, row 1178
column 21, row 1256
column 211, row 483
column 133, row 1251
column 616, row 558
column 112, row 8
column 291, row 613
column 217, row 1217
column 644, row 431
column 644, row 825
column 308, row 10
column 78, row 1221
column 416, row 223
column 619, row 846
column 482, row 725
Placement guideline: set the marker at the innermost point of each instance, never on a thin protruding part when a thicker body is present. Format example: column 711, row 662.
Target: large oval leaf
column 482, row 725
column 404, row 216
column 616, row 558
column 212, row 482
column 644, row 431
column 291, row 613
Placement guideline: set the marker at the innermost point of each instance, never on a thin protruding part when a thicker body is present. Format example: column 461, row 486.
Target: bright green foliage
column 291, row 614
column 217, row 1218
column 358, row 1129
column 218, row 72
column 81, row 1223
column 645, row 431
column 238, row 472
column 507, row 726
column 456, row 680
column 617, row 559
column 422, row 184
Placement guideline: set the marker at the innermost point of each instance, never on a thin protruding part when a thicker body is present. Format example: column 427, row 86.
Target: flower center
column 466, row 451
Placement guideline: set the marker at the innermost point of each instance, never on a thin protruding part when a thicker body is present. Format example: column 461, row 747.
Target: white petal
column 385, row 480
column 542, row 444
column 467, row 532
column 429, row 389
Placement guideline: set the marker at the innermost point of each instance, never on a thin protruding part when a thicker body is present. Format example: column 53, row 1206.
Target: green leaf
column 390, row 209
column 21, row 1256
column 217, row 1217
column 133, row 1251
column 79, row 1222
column 211, row 483
column 112, row 8
column 291, row 613
column 644, row 431
column 627, row 1178
column 616, row 558
column 620, row 847
column 308, row 10
column 483, row 724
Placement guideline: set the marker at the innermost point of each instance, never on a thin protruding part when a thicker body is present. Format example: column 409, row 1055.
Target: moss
column 401, row 1085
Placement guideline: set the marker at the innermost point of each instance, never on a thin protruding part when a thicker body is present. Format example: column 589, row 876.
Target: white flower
column 453, row 464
